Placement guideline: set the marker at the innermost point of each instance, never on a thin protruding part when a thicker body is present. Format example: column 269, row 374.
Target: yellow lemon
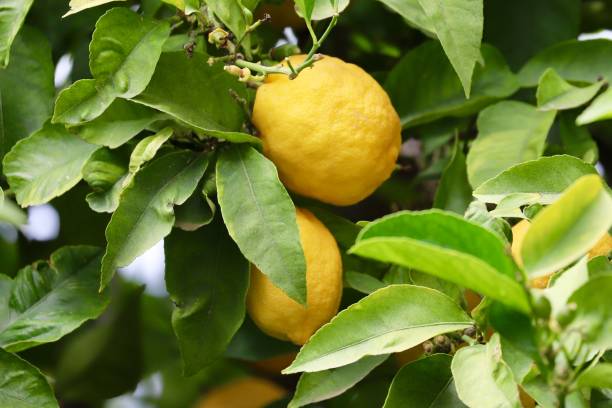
column 250, row 392
column 281, row 317
column 602, row 247
column 332, row 131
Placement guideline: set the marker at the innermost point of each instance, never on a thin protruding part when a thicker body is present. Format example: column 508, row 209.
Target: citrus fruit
column 332, row 131
column 249, row 392
column 278, row 315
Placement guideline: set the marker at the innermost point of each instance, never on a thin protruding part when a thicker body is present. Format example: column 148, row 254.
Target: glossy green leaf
column 389, row 320
column 25, row 109
column 80, row 5
column 413, row 13
column 49, row 300
column 201, row 99
column 458, row 25
column 207, row 279
column 566, row 284
column 448, row 247
column 579, row 61
column 323, row 385
column 145, row 214
column 123, row 53
column 263, row 221
column 454, row 192
column 599, row 376
column 427, row 382
column 599, row 109
column 105, row 172
column 547, row 177
column 593, row 320
column 119, row 123
column 22, row 385
column 199, row 210
column 554, row 93
column 12, row 17
column 418, row 99
column 564, row 231
column 46, row 164
column 482, row 378
column 509, row 133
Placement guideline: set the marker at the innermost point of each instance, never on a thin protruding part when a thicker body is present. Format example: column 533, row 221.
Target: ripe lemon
column 281, row 317
column 250, row 392
column 332, row 131
column 602, row 247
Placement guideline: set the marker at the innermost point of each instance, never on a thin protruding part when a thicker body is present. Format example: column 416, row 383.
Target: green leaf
column 482, row 378
column 199, row 210
column 554, row 93
column 46, row 164
column 547, row 177
column 22, row 385
column 201, row 99
column 24, row 109
column 80, row 5
column 12, row 214
column 49, row 300
column 420, row 100
column 362, row 282
column 448, row 247
column 389, row 320
column 509, row 133
column 105, row 172
column 427, row 382
column 579, row 61
column 118, row 124
column 413, row 13
column 251, row 344
column 305, row 7
column 454, row 192
column 12, row 17
column 207, row 278
column 577, row 140
column 146, row 211
column 231, row 15
column 458, row 25
column 123, row 53
column 566, row 284
column 325, row 8
column 477, row 213
column 599, row 109
column 262, row 222
column 593, row 320
column 323, row 385
column 564, row 231
column 599, row 376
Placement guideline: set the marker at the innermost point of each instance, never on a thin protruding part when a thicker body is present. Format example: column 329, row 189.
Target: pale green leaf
column 509, row 133
column 207, row 279
column 46, row 164
column 326, row 8
column 599, row 376
column 510, row 205
column 566, row 284
column 362, row 282
column 554, row 93
column 546, row 177
column 389, row 320
column 564, row 231
column 49, row 300
column 12, row 15
column 483, row 379
column 323, row 385
column 427, row 382
column 80, row 5
column 22, row 385
column 262, row 221
column 413, row 13
column 458, row 25
column 82, row 102
column 12, row 214
column 477, row 213
column 145, row 214
column 448, row 247
column 599, row 109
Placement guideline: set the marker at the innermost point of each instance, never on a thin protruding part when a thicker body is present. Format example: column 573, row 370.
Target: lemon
column 249, row 392
column 332, row 131
column 278, row 315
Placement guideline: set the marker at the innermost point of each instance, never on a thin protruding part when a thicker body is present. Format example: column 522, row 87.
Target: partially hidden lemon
column 249, row 392
column 332, row 131
column 602, row 247
column 278, row 315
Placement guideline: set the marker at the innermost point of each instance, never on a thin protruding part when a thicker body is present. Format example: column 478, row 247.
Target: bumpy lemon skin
column 332, row 131
column 249, row 392
column 278, row 315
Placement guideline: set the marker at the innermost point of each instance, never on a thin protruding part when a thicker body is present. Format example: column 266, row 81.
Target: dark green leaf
column 251, row 344
column 454, row 192
column 514, row 327
column 262, row 221
column 577, row 140
column 207, row 278
column 389, row 320
column 146, row 211
column 554, row 93
column 46, row 164
column 427, row 382
column 22, row 385
column 12, row 17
